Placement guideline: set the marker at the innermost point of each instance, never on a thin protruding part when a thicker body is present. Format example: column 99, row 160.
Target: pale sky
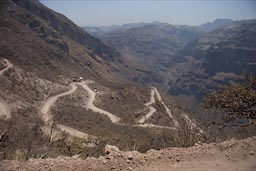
column 116, row 12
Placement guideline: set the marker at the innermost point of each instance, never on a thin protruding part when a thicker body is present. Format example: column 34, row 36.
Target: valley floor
column 229, row 155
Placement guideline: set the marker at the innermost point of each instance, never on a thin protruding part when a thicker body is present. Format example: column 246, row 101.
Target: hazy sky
column 104, row 12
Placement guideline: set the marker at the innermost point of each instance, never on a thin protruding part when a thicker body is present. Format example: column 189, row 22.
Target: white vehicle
column 80, row 79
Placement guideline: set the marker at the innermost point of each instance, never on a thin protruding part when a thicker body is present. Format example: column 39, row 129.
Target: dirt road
column 152, row 98
column 176, row 124
column 155, row 126
column 44, row 111
column 152, row 110
column 92, row 107
column 5, row 112
column 47, row 117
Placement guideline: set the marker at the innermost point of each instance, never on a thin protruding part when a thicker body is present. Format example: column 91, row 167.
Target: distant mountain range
column 43, row 56
column 210, row 26
column 177, row 58
column 206, row 27
column 99, row 31
column 187, row 60
column 219, row 58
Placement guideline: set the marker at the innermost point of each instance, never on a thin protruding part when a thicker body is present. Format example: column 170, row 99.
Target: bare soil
column 229, row 155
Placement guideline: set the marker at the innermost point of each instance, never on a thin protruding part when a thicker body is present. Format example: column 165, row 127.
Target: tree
column 237, row 102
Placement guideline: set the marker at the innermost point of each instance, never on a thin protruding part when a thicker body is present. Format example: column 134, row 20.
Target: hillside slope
column 40, row 40
column 210, row 26
column 45, row 100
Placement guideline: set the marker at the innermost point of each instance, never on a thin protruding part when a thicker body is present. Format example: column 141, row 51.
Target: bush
column 237, row 102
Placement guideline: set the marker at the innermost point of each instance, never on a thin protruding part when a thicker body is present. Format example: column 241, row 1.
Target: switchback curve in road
column 91, row 106
column 44, row 111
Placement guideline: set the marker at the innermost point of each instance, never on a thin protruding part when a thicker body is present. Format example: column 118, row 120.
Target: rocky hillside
column 46, row 110
column 101, row 30
column 40, row 40
column 230, row 155
column 216, row 59
column 150, row 48
column 141, row 40
column 210, row 26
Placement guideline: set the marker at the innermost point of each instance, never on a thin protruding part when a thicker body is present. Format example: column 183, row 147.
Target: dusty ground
column 229, row 155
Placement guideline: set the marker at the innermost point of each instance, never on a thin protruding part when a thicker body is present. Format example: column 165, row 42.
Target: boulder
column 110, row 149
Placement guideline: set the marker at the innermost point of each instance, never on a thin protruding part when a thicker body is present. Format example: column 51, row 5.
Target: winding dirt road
column 5, row 112
column 44, row 111
column 48, row 118
column 176, row 124
column 152, row 110
column 91, row 106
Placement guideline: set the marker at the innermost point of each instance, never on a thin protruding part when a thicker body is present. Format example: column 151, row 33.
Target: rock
column 90, row 145
column 101, row 158
column 76, row 156
column 91, row 159
column 128, row 161
column 178, row 160
column 129, row 168
column 251, row 152
column 109, row 149
column 130, row 156
column 104, row 161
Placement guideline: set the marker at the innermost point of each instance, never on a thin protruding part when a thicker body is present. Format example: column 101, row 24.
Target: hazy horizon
column 107, row 13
